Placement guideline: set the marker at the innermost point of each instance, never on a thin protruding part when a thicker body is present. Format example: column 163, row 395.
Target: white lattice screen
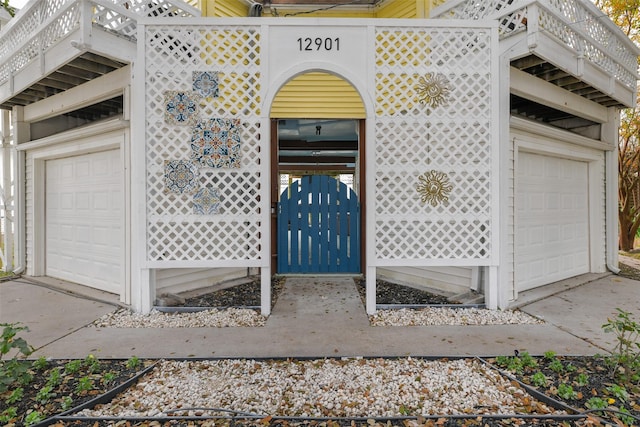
column 175, row 232
column 449, row 135
column 450, row 132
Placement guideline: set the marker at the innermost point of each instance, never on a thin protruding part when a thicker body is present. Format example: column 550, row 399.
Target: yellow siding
column 398, row 9
column 221, row 8
column 388, row 9
column 318, row 96
column 331, row 13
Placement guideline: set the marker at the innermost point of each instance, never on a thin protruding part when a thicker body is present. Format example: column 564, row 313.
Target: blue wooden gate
column 318, row 227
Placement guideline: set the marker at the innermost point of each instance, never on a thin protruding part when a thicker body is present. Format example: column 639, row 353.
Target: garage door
column 84, row 220
column 552, row 220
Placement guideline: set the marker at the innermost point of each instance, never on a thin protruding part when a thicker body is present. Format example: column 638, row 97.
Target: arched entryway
column 317, row 197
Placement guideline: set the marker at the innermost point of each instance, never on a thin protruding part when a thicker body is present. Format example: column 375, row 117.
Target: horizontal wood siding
column 398, row 9
column 221, row 8
column 450, row 280
column 318, row 95
column 227, row 9
column 176, row 280
column 337, row 12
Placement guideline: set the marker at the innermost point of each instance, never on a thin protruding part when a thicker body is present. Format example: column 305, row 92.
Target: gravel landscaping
column 322, row 388
column 223, row 309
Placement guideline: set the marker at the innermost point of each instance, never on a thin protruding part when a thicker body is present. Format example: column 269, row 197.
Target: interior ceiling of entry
column 317, row 142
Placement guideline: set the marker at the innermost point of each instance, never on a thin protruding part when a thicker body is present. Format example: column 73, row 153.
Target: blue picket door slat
column 318, row 227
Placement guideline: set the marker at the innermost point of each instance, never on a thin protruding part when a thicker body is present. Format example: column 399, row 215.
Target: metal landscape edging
column 103, row 398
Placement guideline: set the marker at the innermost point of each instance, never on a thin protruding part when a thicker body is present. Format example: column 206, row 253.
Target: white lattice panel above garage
column 433, row 144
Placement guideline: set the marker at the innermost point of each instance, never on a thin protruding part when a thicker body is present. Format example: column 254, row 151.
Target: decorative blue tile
column 206, row 201
column 215, row 143
column 180, row 176
column 205, row 83
column 181, row 108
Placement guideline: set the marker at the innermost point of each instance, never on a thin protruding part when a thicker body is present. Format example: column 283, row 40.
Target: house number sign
column 318, row 43
column 298, row 47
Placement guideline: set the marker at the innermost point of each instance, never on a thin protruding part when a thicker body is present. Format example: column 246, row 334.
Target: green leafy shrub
column 567, row 392
column 539, row 379
column 13, row 370
column 625, row 356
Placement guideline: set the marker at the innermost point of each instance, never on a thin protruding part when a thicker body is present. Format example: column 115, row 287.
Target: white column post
column 609, row 133
column 21, row 133
column 8, row 192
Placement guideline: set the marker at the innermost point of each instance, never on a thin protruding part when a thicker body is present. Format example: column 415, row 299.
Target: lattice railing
column 41, row 24
column 578, row 24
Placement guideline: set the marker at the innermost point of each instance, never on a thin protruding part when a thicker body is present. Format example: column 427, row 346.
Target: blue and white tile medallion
column 215, row 143
column 181, row 107
column 181, row 176
column 206, row 201
column 205, row 83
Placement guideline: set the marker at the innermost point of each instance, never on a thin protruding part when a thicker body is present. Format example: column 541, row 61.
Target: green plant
column 527, row 360
column 133, row 362
column 67, row 403
column 404, row 410
column 556, row 366
column 8, row 414
column 582, row 379
column 55, row 377
column 15, row 396
column 45, row 394
column 13, row 370
column 619, row 392
column 597, row 403
column 92, row 364
column 8, row 340
column 84, row 384
column 33, row 417
column 539, row 379
column 513, row 364
column 550, row 355
column 73, row 367
column 566, row 392
column 40, row 363
column 625, row 356
column 626, row 419
column 108, row 377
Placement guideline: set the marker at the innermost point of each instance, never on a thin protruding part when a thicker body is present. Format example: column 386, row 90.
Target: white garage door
column 84, row 220
column 552, row 220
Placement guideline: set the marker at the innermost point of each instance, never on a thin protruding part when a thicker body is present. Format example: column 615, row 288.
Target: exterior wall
column 176, row 280
column 317, row 95
column 450, row 280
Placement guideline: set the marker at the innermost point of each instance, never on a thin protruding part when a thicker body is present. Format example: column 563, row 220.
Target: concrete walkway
column 318, row 317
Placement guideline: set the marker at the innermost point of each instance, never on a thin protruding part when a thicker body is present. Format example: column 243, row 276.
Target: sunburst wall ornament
column 433, row 89
column 434, row 187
